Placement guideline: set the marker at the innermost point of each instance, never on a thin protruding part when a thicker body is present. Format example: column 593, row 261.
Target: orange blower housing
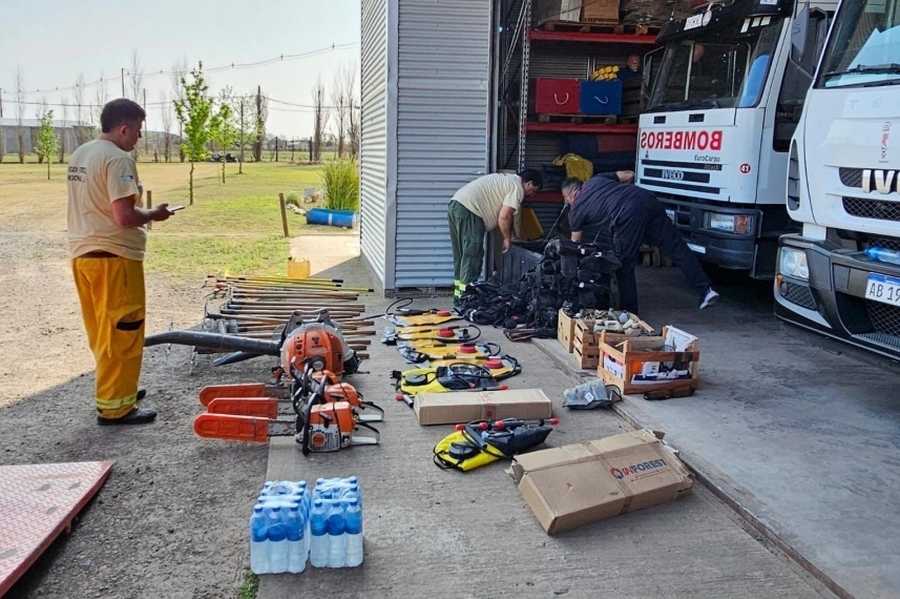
column 315, row 344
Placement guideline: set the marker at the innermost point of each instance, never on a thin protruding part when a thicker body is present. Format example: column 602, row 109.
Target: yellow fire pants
column 113, row 305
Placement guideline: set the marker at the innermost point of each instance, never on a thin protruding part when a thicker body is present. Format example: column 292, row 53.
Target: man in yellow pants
column 107, row 236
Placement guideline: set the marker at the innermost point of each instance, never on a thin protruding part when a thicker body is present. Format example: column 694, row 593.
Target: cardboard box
column 567, row 487
column 565, row 330
column 457, row 407
column 600, row 11
column 633, row 364
column 556, row 10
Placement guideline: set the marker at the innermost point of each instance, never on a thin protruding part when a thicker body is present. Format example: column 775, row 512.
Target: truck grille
column 800, row 295
column 888, row 243
column 851, row 177
column 876, row 209
column 885, row 319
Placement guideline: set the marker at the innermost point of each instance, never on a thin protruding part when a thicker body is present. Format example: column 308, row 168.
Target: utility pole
column 1, row 102
column 123, row 81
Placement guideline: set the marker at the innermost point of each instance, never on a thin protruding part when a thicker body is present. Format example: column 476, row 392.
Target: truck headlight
column 740, row 224
column 793, row 263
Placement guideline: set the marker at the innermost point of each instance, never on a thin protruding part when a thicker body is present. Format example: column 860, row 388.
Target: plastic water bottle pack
column 279, row 528
column 336, row 527
column 290, row 525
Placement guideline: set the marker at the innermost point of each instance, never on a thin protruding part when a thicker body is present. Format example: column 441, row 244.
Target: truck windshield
column 721, row 68
column 864, row 48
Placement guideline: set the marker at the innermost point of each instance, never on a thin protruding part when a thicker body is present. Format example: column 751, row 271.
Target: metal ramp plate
column 37, row 503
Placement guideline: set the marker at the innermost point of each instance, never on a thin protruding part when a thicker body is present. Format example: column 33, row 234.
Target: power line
column 231, row 66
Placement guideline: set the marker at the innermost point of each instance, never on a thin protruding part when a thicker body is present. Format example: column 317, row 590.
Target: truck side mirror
column 799, row 25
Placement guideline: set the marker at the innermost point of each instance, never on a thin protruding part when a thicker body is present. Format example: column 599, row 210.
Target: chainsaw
column 319, row 425
column 449, row 334
column 222, row 399
column 481, row 442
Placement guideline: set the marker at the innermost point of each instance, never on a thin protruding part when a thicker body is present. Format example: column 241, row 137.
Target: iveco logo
column 880, row 180
column 672, row 174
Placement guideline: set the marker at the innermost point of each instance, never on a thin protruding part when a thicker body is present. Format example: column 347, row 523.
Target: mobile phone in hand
column 174, row 209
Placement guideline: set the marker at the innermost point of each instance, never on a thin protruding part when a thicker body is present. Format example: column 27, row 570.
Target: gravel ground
column 171, row 519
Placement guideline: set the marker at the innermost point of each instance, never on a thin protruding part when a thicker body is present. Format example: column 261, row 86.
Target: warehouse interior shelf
column 578, row 36
column 533, row 127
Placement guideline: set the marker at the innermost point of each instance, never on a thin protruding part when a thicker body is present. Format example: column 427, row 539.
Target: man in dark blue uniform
column 634, row 217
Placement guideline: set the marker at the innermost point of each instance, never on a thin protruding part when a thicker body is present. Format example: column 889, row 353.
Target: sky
column 52, row 41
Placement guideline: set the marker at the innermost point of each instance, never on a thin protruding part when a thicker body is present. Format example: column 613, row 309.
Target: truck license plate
column 883, row 289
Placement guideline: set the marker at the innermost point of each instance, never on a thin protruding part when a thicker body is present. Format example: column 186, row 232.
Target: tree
column 179, row 70
column 320, row 116
column 62, row 135
column 78, row 97
column 354, row 129
column 20, row 112
column 166, row 116
column 47, row 142
column 100, row 96
column 243, row 107
column 342, row 99
column 221, row 125
column 136, row 76
column 259, row 124
column 194, row 112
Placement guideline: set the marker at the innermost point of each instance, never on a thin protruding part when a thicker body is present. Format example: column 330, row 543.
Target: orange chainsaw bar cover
column 211, row 392
column 233, row 428
column 260, row 407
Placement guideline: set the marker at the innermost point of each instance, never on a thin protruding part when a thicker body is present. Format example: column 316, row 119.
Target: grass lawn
column 233, row 227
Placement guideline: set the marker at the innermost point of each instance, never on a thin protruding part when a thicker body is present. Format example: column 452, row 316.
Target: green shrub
column 292, row 198
column 340, row 180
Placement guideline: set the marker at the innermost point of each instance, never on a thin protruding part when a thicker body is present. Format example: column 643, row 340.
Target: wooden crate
column 585, row 346
column 622, row 357
column 565, row 330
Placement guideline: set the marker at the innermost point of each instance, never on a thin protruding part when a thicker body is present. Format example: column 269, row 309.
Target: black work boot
column 135, row 416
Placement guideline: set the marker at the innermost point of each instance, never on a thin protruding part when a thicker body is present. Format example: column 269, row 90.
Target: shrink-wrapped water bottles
column 292, row 524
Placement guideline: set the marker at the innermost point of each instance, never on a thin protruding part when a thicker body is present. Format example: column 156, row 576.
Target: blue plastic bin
column 601, row 97
column 334, row 218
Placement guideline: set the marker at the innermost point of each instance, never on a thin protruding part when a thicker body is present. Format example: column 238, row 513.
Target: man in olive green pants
column 483, row 205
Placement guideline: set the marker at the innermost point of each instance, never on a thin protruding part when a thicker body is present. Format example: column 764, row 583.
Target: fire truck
column 716, row 130
column 841, row 275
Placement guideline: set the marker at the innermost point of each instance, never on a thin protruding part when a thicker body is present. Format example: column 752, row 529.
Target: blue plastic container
column 334, row 218
column 601, row 97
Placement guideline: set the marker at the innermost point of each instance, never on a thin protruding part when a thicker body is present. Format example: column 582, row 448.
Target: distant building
column 71, row 133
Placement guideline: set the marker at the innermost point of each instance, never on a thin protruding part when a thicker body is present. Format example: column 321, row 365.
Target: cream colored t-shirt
column 486, row 195
column 99, row 174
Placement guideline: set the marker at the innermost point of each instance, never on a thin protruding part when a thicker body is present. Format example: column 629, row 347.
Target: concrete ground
column 447, row 534
column 800, row 434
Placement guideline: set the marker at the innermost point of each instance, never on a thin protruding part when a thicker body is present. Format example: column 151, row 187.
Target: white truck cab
column 841, row 275
column 715, row 133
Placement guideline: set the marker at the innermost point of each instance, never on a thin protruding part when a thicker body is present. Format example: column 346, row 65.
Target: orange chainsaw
column 326, row 418
column 272, row 401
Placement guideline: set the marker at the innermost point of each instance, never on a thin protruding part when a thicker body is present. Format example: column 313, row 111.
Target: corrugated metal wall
column 443, row 99
column 374, row 147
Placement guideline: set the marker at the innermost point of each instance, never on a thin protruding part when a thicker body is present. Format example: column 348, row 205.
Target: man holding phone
column 107, row 234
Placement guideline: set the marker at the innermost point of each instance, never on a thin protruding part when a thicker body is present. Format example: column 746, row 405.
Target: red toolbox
column 557, row 96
